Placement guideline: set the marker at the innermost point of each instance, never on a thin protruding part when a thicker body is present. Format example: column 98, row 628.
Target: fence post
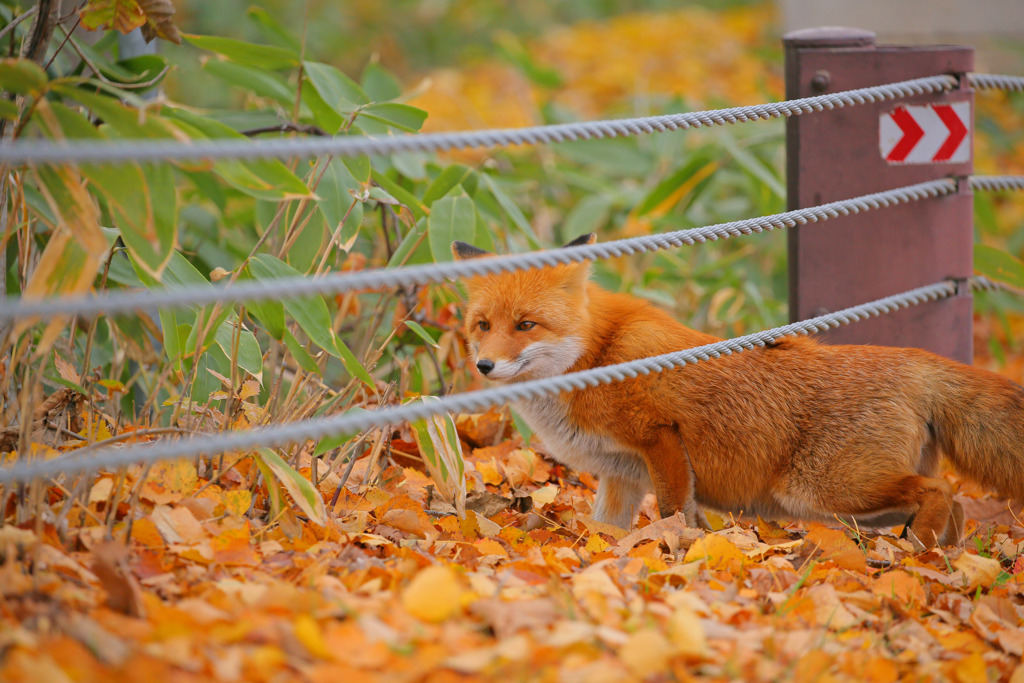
column 838, row 154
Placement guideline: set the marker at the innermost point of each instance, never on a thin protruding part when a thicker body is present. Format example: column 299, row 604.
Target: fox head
column 526, row 324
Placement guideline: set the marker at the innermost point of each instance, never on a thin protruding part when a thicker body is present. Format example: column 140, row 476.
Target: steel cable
column 121, row 151
column 996, row 82
column 16, row 308
column 299, row 432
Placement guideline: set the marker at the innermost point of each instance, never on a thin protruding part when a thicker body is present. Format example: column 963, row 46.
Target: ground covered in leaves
column 525, row 587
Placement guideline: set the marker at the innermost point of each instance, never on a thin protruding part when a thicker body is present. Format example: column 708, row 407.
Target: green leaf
column 301, row 490
column 400, row 116
column 360, row 169
column 513, row 211
column 664, row 190
column 8, row 110
column 448, row 178
column 271, row 315
column 311, row 313
column 998, row 265
column 273, row 30
column 412, row 248
column 249, row 356
column 352, row 364
column 451, row 218
column 336, row 200
column 122, row 120
column 22, row 77
column 338, row 91
column 522, row 427
column 379, row 83
column 269, row 57
column 439, row 444
column 261, row 178
column 299, row 353
column 258, row 81
column 421, row 333
column 401, row 194
column 587, row 216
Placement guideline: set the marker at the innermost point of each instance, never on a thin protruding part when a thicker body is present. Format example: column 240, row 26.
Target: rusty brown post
column 835, row 155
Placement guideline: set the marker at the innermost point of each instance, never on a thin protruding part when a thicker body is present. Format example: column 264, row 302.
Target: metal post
column 841, row 153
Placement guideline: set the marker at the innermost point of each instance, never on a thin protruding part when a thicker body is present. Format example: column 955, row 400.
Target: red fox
column 797, row 429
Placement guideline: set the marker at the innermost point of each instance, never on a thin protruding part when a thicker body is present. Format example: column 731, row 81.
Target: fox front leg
column 672, row 476
column 618, row 500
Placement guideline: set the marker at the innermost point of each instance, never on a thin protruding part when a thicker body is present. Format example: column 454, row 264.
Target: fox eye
column 525, row 325
column 484, row 325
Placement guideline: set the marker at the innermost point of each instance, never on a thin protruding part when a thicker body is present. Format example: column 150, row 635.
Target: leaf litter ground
column 526, row 587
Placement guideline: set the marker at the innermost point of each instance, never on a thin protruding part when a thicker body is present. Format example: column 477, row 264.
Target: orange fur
column 797, row 429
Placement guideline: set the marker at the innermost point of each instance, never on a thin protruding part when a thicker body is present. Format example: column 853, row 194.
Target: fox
column 797, row 429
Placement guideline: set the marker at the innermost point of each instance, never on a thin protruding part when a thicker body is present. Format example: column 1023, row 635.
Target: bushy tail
column 979, row 425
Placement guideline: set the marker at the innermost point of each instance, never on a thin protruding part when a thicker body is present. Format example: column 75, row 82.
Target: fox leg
column 672, row 476
column 936, row 519
column 618, row 499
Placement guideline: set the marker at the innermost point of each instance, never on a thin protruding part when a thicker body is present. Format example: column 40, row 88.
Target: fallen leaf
column 434, row 594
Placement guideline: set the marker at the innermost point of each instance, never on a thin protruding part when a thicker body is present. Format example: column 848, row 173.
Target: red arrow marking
column 957, row 131
column 912, row 133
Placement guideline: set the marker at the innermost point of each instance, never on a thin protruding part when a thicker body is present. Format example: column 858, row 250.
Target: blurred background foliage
column 288, row 67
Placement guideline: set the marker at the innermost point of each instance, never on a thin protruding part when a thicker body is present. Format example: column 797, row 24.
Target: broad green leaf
column 122, row 120
column 414, row 247
column 669, row 191
column 352, row 363
column 299, row 488
column 401, row 194
column 143, row 201
column 400, row 116
column 379, row 84
column 451, row 176
column 299, row 353
column 522, row 427
column 439, row 444
column 359, row 167
column 421, row 333
column 451, row 218
column 587, row 216
column 249, row 356
column 22, row 76
column 261, row 178
column 311, row 313
column 513, row 211
column 270, row 314
column 998, row 265
column 336, row 199
column 258, row 81
column 269, row 57
column 273, row 30
column 325, row 116
column 8, row 110
column 618, row 156
column 338, row 91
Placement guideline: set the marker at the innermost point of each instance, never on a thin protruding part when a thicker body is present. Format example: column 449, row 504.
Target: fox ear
column 583, row 240
column 462, row 251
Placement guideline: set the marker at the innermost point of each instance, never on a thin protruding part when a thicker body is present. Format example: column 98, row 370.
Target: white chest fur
column 548, row 417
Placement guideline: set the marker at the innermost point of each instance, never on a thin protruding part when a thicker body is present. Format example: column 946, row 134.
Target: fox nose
column 485, row 366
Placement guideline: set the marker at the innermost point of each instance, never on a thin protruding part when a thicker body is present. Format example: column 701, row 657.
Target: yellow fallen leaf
column 309, row 633
column 686, row 632
column 646, row 652
column 433, row 595
column 545, row 495
column 971, row 669
column 718, row 551
column 978, row 570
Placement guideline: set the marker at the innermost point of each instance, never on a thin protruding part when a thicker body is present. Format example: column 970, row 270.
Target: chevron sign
column 930, row 134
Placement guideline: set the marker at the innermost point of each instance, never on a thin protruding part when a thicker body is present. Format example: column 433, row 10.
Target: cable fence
column 124, row 151
column 49, row 152
column 16, row 308
column 300, row 432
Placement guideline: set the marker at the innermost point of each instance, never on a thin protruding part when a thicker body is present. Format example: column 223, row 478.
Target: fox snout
column 484, row 366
